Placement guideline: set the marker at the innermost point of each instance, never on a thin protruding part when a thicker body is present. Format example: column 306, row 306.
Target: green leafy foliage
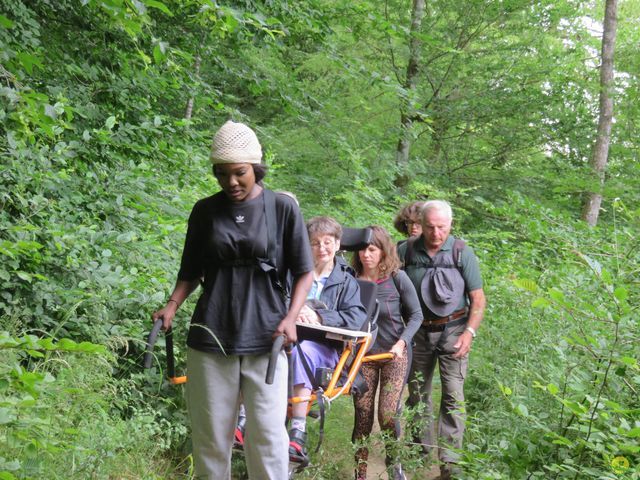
column 52, row 396
column 99, row 169
column 564, row 377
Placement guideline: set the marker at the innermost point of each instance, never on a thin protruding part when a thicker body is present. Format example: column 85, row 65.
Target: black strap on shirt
column 396, row 282
column 269, row 264
column 270, row 216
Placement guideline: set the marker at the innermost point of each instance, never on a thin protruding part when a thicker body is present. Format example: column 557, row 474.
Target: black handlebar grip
column 273, row 359
column 288, row 349
column 151, row 341
column 171, row 366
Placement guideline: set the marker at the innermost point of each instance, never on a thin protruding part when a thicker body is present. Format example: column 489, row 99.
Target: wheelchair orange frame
column 355, row 344
column 354, row 353
column 353, row 356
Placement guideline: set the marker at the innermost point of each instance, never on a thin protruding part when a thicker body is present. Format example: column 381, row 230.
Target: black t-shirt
column 239, row 308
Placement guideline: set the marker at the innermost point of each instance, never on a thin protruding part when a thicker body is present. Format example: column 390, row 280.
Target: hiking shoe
column 238, row 437
column 398, row 473
column 297, row 452
column 450, row 471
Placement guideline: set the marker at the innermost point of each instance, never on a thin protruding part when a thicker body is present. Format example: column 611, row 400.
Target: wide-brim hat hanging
column 442, row 289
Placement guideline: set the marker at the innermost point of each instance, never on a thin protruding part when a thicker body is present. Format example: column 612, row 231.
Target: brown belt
column 441, row 321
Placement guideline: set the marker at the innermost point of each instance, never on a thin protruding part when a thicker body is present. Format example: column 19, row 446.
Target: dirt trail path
column 377, row 470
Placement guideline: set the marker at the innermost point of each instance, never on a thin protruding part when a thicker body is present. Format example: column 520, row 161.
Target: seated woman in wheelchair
column 335, row 301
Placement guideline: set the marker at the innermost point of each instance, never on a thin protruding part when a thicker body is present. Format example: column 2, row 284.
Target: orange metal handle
column 377, row 357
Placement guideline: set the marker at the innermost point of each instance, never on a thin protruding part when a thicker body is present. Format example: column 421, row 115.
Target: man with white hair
column 447, row 277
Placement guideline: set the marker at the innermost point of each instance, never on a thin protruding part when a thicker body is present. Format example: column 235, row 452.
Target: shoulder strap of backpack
column 456, row 252
column 396, row 282
column 271, row 223
column 270, row 219
column 408, row 254
column 216, row 201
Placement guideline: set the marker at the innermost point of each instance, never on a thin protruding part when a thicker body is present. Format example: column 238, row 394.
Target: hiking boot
column 297, row 452
column 398, row 473
column 418, row 441
column 238, row 437
column 450, row 471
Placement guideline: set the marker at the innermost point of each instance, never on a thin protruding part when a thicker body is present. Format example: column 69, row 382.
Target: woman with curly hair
column 407, row 220
column 399, row 319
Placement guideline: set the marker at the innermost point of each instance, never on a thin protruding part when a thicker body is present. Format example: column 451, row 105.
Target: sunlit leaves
column 526, row 284
column 159, row 5
column 553, row 389
column 28, row 61
column 33, row 344
column 505, row 389
column 540, row 302
column 110, row 122
column 5, row 22
column 160, row 52
column 621, row 293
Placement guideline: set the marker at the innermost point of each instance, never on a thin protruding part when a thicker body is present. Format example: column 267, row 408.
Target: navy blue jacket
column 341, row 295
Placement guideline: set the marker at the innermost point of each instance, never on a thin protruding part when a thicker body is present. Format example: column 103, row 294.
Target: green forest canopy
column 108, row 108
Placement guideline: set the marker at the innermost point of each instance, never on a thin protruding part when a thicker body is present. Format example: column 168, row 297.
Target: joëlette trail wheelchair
column 328, row 385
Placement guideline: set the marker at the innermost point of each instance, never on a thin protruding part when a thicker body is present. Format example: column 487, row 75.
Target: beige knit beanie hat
column 235, row 143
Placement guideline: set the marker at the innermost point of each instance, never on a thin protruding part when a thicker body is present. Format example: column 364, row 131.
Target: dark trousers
column 431, row 349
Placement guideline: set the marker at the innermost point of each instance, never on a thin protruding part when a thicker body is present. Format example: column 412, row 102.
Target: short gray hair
column 439, row 205
column 324, row 226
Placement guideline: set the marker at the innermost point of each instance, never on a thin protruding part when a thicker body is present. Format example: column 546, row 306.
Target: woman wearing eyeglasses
column 407, row 220
column 334, row 300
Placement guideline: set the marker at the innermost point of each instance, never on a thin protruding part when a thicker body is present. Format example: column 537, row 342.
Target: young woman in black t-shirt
column 228, row 250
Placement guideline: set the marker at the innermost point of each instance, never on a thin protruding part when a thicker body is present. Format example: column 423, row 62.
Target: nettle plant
column 33, row 428
column 553, row 386
column 63, row 415
column 584, row 417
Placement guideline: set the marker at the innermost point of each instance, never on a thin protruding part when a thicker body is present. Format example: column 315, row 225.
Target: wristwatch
column 472, row 331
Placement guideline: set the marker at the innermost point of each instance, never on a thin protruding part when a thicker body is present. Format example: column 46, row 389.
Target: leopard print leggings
column 391, row 376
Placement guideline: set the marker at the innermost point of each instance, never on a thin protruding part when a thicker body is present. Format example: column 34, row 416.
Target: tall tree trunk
column 411, row 81
column 600, row 154
column 196, row 69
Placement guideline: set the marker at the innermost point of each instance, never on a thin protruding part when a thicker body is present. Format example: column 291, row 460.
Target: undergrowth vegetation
column 99, row 170
column 556, row 381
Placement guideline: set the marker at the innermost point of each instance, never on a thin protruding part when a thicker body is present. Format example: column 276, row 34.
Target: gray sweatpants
column 213, row 395
column 431, row 349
